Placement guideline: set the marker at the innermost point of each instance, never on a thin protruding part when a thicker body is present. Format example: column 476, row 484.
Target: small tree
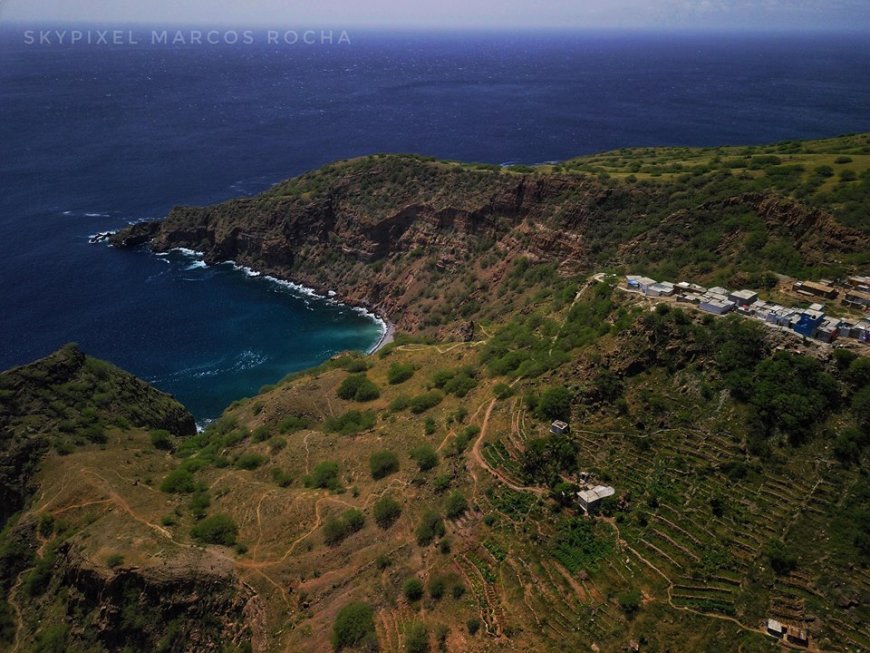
column 217, row 529
column 431, row 526
column 354, row 627
column 161, row 439
column 425, row 457
column 324, row 475
column 383, row 463
column 413, row 589
column 417, row 638
column 386, row 511
column 455, row 505
column 555, row 403
column 399, row 373
column 358, row 387
column 630, row 601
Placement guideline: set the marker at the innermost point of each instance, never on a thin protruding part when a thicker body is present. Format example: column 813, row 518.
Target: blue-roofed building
column 808, row 323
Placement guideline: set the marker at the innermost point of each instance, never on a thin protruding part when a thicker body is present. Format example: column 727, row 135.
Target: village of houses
column 852, row 294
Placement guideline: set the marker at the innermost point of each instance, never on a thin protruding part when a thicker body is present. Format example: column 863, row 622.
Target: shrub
column 455, row 505
column 417, row 638
column 250, row 461
column 386, row 511
column 161, row 439
column 441, row 483
column 555, row 403
column 358, row 387
column 457, row 382
column 114, row 561
column 324, row 476
column 781, row 561
column 437, row 586
column 503, row 391
column 217, row 529
column 473, row 625
column 352, row 422
column 383, row 463
column 400, row 403
column 460, row 442
column 431, row 526
column 178, row 481
column 630, row 601
column 399, row 373
column 292, row 423
column 336, row 529
column 429, row 426
column 281, row 477
column 354, row 627
column 425, row 457
column 413, row 589
column 51, row 639
column 422, row 403
column 199, row 504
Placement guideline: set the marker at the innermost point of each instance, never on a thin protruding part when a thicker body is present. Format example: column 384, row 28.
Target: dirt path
column 122, row 503
column 19, row 619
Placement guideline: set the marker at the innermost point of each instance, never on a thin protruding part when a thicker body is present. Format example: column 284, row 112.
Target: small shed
column 590, row 499
column 559, row 427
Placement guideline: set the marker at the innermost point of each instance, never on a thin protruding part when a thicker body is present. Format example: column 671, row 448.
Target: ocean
column 93, row 137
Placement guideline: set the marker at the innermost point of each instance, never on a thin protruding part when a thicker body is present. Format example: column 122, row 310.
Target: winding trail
column 11, row 599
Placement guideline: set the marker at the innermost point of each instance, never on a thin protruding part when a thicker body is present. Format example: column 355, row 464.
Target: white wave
column 184, row 251
column 96, row 215
column 197, row 265
column 250, row 272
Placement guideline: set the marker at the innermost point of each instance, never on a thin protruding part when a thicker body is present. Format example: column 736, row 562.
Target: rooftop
column 596, row 494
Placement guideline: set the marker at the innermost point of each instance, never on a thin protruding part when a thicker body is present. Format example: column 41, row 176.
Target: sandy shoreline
column 387, row 336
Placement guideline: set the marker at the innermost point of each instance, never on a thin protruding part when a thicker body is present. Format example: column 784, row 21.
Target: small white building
column 717, row 306
column 775, row 628
column 559, row 427
column 685, row 286
column 662, row 289
column 743, row 297
column 590, row 499
column 636, row 282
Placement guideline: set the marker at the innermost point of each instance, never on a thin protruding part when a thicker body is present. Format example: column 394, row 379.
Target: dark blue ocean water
column 92, row 137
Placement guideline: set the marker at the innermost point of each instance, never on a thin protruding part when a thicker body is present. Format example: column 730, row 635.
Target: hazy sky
column 341, row 14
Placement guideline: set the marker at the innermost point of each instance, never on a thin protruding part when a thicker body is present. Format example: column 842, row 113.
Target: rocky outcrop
column 192, row 602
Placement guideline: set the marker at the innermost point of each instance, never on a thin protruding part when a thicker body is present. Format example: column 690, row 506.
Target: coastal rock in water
column 134, row 235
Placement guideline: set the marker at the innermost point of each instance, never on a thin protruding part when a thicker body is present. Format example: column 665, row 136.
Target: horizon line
column 440, row 29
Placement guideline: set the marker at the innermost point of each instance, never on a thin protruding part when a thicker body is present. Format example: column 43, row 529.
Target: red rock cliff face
column 371, row 258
